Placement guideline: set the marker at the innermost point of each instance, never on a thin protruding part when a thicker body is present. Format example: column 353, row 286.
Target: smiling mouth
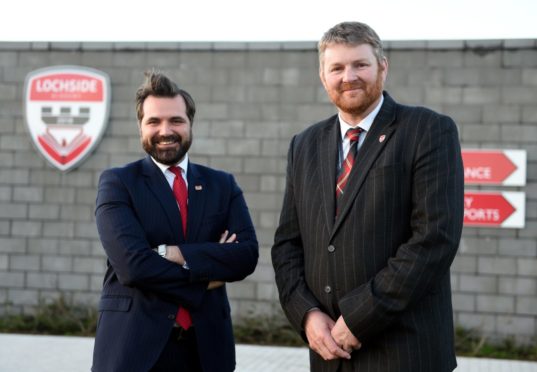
column 351, row 88
column 167, row 144
column 352, row 91
column 166, row 140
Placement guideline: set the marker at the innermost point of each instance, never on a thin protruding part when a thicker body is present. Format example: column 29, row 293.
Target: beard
column 358, row 104
column 169, row 156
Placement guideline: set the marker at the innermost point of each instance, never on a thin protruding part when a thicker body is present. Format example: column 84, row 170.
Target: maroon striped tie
column 353, row 135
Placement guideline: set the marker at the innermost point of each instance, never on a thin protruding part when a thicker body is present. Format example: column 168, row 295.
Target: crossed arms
column 130, row 227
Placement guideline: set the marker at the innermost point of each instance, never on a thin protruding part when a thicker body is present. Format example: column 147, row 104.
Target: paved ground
column 22, row 353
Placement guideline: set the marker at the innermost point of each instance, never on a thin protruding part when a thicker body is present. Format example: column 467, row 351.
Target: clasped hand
column 329, row 339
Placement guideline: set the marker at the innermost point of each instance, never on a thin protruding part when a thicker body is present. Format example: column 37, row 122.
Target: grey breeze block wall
column 252, row 97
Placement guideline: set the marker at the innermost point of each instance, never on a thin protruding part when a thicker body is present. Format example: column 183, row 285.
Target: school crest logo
column 66, row 111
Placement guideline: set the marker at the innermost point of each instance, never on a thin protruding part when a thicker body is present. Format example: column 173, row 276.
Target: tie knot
column 175, row 170
column 353, row 134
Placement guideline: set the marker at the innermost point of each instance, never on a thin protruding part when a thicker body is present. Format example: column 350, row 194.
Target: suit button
column 171, row 316
column 331, row 248
column 327, row 289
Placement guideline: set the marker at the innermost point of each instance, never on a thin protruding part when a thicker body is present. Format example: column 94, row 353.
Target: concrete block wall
column 252, row 97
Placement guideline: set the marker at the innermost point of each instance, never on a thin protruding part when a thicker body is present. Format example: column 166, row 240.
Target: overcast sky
column 254, row 20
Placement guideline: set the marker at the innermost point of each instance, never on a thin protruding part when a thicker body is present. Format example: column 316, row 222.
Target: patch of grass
column 471, row 343
column 57, row 318
column 277, row 331
column 265, row 330
column 63, row 318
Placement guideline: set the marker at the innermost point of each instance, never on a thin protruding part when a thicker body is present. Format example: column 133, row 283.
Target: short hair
column 159, row 85
column 351, row 33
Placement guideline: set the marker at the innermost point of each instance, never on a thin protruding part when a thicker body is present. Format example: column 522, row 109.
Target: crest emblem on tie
column 66, row 112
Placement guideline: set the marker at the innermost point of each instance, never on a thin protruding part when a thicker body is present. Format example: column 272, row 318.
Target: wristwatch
column 162, row 250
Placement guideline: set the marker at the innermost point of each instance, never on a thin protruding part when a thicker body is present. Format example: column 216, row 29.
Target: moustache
column 351, row 86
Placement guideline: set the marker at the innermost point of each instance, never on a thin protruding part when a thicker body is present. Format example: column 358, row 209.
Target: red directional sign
column 494, row 209
column 494, row 167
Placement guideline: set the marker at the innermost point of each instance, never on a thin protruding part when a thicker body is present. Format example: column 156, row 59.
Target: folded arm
column 129, row 252
column 226, row 261
column 173, row 254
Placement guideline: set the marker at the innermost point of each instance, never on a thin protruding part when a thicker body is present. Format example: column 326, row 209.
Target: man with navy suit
column 371, row 221
column 174, row 232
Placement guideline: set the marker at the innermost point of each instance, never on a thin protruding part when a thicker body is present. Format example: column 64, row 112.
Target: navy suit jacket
column 383, row 262
column 135, row 212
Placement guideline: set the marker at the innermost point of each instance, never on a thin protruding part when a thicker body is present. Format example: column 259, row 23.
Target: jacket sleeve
column 436, row 224
column 227, row 261
column 288, row 258
column 129, row 252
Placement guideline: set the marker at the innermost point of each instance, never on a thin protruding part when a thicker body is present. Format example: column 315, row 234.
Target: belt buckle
column 181, row 334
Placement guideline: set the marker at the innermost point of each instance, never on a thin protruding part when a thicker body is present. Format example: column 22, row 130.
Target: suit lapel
column 157, row 183
column 376, row 140
column 327, row 150
column 197, row 196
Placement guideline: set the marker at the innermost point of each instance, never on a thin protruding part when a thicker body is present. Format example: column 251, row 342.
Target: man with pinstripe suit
column 370, row 221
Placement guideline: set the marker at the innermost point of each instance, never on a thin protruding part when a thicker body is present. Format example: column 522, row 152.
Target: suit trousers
column 180, row 353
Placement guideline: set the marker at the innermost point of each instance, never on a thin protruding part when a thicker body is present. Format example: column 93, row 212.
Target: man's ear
column 384, row 64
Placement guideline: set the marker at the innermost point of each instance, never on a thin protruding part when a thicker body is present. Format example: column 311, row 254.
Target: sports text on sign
column 485, row 213
column 494, row 209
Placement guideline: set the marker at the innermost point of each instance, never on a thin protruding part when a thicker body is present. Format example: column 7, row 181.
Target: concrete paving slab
column 31, row 353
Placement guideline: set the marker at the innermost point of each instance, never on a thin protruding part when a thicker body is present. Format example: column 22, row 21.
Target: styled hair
column 159, row 85
column 351, row 33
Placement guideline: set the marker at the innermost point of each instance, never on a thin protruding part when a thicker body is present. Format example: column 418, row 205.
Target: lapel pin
column 198, row 187
column 382, row 138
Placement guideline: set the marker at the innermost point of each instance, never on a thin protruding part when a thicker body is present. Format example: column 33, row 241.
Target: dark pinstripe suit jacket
column 383, row 263
column 142, row 291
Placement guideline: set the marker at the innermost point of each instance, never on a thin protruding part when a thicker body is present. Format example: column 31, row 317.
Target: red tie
column 181, row 193
column 353, row 135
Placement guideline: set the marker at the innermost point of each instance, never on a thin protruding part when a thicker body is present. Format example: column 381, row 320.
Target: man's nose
column 165, row 129
column 349, row 74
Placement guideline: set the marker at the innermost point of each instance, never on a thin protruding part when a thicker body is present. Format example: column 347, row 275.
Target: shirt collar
column 365, row 124
column 183, row 164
